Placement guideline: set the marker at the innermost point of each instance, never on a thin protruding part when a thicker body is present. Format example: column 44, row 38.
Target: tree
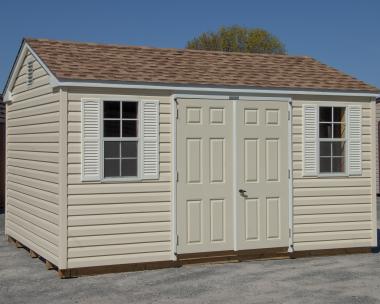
column 238, row 39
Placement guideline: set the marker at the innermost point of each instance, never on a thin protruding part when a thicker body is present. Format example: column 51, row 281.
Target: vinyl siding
column 32, row 213
column 117, row 222
column 333, row 212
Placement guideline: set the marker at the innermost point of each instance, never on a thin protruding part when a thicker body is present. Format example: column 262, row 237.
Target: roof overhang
column 177, row 88
column 207, row 88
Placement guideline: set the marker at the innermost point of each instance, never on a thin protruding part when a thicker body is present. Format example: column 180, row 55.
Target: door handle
column 242, row 192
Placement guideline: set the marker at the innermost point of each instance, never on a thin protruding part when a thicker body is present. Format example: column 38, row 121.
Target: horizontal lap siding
column 118, row 223
column 32, row 163
column 332, row 212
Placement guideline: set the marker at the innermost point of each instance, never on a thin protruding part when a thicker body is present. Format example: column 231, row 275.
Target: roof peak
column 101, row 44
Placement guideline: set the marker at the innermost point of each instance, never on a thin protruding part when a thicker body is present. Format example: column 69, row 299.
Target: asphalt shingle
column 101, row 62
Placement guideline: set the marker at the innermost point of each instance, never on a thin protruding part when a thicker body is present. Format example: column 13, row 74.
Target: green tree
column 238, row 39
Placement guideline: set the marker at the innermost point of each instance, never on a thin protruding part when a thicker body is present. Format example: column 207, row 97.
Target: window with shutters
column 332, row 140
column 120, row 139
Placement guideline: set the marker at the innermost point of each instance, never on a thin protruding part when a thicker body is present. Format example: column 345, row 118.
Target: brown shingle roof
column 89, row 61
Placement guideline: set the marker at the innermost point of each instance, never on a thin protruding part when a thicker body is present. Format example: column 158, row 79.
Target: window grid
column 121, row 139
column 333, row 140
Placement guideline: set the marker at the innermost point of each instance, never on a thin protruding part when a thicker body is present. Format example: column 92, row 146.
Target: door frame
column 234, row 99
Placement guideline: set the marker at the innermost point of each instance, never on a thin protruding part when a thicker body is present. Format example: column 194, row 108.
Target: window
column 120, row 139
column 332, row 139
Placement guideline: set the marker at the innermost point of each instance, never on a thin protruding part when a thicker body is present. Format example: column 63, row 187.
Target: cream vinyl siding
column 332, row 212
column 118, row 222
column 32, row 163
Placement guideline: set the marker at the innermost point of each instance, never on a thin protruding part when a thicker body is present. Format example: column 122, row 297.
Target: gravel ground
column 338, row 279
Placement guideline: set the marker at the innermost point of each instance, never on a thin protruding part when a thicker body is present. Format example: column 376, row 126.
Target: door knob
column 242, row 192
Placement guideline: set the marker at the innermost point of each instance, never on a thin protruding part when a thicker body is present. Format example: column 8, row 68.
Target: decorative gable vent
column 30, row 73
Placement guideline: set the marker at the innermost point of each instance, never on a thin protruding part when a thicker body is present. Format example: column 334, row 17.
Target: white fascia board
column 206, row 89
column 13, row 74
column 17, row 66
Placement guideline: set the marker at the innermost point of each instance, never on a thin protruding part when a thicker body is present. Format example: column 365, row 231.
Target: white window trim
column 332, row 174
column 138, row 139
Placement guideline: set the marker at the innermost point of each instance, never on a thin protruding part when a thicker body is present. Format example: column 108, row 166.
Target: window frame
column 343, row 139
column 103, row 139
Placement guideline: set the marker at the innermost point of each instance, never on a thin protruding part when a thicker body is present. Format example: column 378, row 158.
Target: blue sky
column 343, row 34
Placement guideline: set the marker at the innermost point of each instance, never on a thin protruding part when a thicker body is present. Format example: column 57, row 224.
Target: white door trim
column 174, row 244
column 174, row 107
column 234, row 172
column 290, row 179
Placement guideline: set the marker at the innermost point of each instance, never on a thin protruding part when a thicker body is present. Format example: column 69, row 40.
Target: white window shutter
column 150, row 139
column 91, row 152
column 310, row 140
column 354, row 125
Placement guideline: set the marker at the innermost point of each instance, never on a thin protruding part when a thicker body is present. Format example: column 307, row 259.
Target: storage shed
column 126, row 157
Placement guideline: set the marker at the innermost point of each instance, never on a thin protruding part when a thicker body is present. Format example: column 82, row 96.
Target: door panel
column 262, row 172
column 205, row 193
column 204, row 188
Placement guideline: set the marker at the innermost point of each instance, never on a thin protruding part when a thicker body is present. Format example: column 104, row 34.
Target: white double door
column 232, row 163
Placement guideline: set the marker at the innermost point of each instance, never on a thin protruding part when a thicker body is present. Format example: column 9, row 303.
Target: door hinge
column 177, row 176
column 288, row 114
column 289, row 173
column 177, row 114
column 177, row 239
column 290, row 232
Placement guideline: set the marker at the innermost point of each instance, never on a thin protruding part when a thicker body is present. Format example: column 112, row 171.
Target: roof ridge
column 28, row 39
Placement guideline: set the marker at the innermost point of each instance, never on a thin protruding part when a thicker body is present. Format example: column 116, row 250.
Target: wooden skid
column 194, row 258
column 330, row 252
column 88, row 271
column 32, row 253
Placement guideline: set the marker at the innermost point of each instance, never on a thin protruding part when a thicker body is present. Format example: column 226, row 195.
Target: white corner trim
column 207, row 89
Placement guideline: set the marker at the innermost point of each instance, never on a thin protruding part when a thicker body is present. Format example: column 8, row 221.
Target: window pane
column 111, row 149
column 325, row 149
column 338, row 148
column 111, row 128
column 129, row 109
column 325, row 114
column 338, row 164
column 111, row 167
column 339, row 130
column 325, row 130
column 111, row 109
column 339, row 114
column 129, row 167
column 129, row 128
column 325, row 165
column 129, row 149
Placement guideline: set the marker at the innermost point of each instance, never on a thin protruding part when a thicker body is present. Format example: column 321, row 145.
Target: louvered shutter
column 354, row 126
column 91, row 139
column 310, row 124
column 150, row 139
